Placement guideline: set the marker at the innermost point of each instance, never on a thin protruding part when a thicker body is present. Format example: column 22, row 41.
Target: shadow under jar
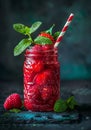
column 41, row 78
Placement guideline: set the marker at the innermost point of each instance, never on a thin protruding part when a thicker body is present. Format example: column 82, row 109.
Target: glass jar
column 41, row 78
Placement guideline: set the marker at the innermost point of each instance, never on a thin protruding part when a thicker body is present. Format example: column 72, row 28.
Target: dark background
column 75, row 48
column 74, row 53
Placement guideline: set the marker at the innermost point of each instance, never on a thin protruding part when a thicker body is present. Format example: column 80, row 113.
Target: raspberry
column 45, row 77
column 13, row 101
column 37, row 67
column 46, row 93
column 35, row 52
column 47, row 35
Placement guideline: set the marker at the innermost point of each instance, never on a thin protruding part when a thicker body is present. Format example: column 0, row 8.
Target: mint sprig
column 25, row 30
column 63, row 105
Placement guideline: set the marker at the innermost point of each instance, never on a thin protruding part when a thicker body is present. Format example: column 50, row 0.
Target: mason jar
column 41, row 78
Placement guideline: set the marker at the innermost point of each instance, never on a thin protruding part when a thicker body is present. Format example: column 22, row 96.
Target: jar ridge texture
column 41, row 78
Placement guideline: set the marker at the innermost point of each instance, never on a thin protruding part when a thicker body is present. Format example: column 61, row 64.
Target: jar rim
column 30, row 52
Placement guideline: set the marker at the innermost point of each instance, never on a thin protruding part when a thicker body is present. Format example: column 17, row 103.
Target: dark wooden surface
column 76, row 120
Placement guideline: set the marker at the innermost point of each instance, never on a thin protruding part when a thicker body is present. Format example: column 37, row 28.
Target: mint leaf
column 23, row 44
column 35, row 26
column 60, row 106
column 56, row 34
column 50, row 29
column 21, row 28
column 15, row 110
column 42, row 40
column 71, row 102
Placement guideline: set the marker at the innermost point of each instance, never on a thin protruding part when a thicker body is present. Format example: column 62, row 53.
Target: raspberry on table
column 47, row 35
column 13, row 101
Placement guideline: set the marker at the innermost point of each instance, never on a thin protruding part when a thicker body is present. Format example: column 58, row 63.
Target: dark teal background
column 75, row 48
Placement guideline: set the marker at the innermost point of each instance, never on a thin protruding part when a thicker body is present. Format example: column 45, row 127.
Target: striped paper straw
column 64, row 30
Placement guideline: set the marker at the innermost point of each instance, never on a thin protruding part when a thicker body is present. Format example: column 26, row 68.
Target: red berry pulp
column 41, row 78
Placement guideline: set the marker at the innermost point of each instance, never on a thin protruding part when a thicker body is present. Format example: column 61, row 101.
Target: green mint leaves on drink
column 29, row 41
column 21, row 28
column 42, row 40
column 25, row 30
column 64, row 105
column 35, row 26
column 22, row 45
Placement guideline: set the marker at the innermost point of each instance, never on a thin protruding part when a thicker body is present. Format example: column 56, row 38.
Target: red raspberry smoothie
column 41, row 67
column 41, row 78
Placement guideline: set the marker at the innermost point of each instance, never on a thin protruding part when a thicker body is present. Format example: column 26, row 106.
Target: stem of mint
column 50, row 29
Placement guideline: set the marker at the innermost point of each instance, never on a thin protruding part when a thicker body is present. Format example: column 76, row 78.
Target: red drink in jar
column 41, row 78
column 41, row 66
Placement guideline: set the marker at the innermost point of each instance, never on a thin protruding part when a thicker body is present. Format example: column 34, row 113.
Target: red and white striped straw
column 64, row 30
